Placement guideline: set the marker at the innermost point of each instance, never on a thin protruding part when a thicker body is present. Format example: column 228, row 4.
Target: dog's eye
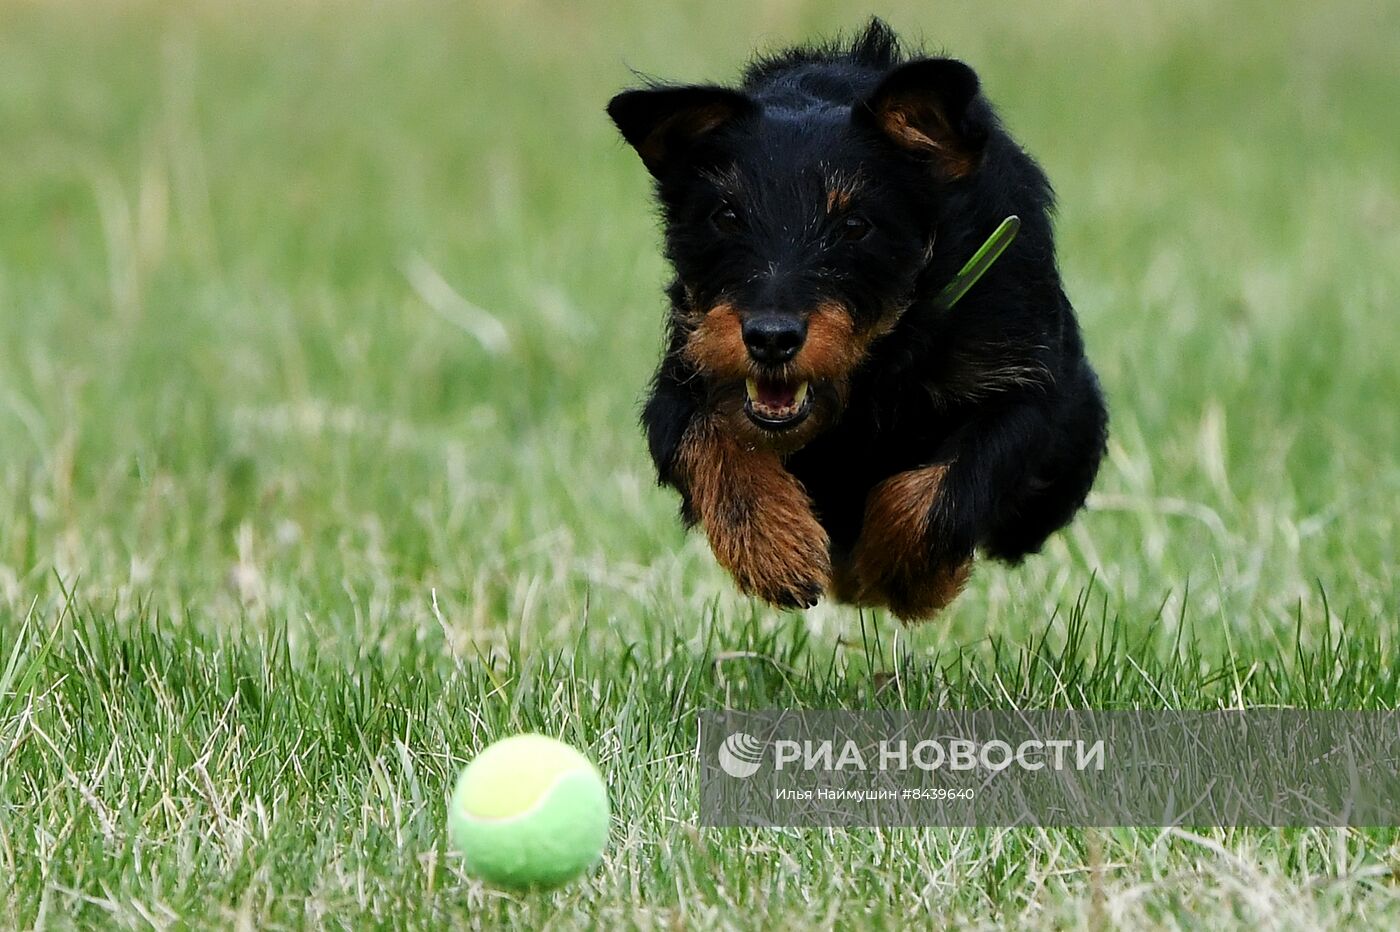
column 726, row 219
column 854, row 228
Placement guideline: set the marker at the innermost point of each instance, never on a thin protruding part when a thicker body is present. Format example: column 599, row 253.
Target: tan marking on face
column 834, row 348
column 716, row 345
column 831, row 350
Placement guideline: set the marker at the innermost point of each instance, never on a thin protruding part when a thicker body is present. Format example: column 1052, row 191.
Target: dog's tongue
column 775, row 394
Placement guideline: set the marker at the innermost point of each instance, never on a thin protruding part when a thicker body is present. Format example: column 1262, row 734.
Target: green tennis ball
column 529, row 811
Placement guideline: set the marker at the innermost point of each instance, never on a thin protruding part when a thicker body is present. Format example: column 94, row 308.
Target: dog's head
column 798, row 217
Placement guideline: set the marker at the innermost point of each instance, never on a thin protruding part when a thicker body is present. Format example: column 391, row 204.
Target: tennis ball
column 529, row 811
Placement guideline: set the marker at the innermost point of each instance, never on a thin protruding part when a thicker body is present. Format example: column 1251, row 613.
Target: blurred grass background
column 322, row 332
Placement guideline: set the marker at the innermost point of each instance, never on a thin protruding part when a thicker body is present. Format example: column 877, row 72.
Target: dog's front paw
column 909, row 556
column 777, row 552
column 913, row 594
column 757, row 516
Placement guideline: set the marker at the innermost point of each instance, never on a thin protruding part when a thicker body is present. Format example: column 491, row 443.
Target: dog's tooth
column 799, row 396
column 752, row 386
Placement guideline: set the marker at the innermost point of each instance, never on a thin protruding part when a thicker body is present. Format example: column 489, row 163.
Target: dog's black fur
column 851, row 179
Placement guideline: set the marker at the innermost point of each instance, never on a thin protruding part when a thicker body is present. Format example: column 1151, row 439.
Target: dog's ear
column 664, row 123
column 926, row 108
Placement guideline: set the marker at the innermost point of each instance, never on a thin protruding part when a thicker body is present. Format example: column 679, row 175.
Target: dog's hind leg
column 1056, row 489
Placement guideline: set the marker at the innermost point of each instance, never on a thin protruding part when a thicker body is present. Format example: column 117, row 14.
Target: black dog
column 825, row 414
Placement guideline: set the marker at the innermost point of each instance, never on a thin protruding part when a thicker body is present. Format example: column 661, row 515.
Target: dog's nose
column 773, row 339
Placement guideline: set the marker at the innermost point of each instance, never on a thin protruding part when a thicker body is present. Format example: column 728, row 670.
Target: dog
column 831, row 419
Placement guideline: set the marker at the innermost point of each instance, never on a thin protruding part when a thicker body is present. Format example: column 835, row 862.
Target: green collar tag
column 980, row 262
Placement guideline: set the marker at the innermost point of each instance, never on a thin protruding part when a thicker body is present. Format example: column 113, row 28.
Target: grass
column 289, row 528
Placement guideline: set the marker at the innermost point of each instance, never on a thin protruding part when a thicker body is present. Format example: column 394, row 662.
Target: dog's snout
column 773, row 339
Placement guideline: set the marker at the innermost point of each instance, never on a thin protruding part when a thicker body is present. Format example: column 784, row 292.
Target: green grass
column 286, row 534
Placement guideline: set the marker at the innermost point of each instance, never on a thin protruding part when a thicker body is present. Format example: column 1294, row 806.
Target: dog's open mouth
column 777, row 405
